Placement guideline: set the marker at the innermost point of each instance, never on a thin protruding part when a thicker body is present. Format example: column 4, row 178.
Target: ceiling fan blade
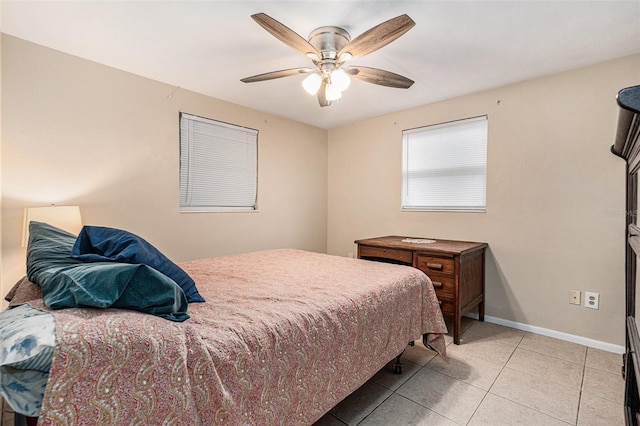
column 322, row 95
column 277, row 74
column 381, row 77
column 378, row 36
column 285, row 34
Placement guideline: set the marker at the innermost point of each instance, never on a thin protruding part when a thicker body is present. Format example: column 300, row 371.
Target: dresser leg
column 456, row 329
column 481, row 311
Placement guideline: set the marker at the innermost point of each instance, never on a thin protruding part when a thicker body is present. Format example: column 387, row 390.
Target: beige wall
column 76, row 132
column 551, row 187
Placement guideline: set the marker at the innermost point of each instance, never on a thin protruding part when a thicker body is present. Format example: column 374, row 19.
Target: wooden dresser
column 456, row 269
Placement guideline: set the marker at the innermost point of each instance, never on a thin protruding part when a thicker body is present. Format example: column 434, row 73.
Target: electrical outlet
column 574, row 297
column 351, row 255
column 591, row 300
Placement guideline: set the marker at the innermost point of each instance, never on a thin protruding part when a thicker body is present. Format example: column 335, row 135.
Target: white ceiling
column 455, row 48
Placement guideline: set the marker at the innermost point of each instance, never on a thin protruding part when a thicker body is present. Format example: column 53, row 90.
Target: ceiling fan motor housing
column 329, row 41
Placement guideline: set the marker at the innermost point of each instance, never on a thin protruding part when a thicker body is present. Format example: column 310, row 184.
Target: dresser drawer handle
column 436, row 284
column 437, row 266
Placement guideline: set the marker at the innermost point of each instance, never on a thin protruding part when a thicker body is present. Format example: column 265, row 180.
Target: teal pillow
column 115, row 285
column 66, row 282
column 49, row 248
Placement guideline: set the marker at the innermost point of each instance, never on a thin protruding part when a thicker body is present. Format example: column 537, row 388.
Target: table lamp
column 63, row 217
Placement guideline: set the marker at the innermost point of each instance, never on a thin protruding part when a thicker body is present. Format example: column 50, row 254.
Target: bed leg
column 425, row 342
column 22, row 420
column 397, row 367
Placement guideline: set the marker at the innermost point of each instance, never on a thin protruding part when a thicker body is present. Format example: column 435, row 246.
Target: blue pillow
column 65, row 282
column 102, row 244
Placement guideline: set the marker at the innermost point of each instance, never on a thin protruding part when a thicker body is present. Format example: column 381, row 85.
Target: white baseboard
column 609, row 347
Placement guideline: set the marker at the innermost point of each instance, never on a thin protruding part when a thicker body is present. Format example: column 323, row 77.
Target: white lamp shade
column 312, row 84
column 63, row 217
column 340, row 79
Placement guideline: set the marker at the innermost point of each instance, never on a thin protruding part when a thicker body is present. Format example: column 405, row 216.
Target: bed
column 284, row 335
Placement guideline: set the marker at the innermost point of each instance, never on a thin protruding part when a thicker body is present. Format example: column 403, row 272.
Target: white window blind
column 218, row 165
column 444, row 166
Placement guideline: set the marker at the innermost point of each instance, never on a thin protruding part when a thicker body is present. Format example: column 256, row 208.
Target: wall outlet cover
column 591, row 300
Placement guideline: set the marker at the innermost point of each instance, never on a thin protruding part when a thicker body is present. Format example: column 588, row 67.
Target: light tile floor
column 497, row 376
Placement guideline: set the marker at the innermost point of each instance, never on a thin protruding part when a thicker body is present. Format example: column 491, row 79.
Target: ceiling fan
column 329, row 48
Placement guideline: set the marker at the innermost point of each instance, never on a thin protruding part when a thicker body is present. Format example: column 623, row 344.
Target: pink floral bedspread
column 283, row 337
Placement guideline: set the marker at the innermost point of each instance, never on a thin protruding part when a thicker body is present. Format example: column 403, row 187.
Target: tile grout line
column 393, row 392
column 518, row 403
column 420, row 403
column 494, row 380
column 376, row 407
column 462, row 381
column 584, row 372
column 383, row 401
column 476, row 410
column 486, row 392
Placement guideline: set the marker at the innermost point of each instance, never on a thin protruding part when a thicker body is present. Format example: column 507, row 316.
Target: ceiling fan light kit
column 337, row 81
column 329, row 48
column 340, row 79
column 312, row 84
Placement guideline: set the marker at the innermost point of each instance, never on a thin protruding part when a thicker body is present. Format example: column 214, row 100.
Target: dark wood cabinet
column 456, row 269
column 627, row 146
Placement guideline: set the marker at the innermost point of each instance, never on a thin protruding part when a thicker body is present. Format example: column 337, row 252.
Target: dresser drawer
column 440, row 265
column 444, row 285
column 447, row 307
column 386, row 253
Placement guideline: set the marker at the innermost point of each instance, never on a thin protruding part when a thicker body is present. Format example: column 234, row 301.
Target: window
column 218, row 165
column 444, row 167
